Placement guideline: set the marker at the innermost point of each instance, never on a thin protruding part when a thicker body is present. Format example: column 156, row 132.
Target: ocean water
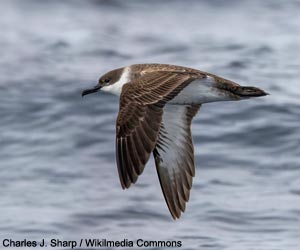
column 58, row 176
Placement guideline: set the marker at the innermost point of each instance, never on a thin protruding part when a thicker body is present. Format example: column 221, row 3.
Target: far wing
column 174, row 156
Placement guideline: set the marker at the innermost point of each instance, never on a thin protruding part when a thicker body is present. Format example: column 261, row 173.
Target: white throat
column 116, row 88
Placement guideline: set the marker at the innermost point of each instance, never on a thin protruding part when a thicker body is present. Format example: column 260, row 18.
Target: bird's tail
column 247, row 91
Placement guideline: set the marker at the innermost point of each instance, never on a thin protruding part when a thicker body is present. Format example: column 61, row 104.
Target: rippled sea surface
column 58, row 175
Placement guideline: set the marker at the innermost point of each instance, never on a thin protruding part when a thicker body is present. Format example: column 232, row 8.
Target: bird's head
column 107, row 82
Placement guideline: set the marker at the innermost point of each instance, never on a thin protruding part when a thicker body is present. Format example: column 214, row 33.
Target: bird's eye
column 106, row 80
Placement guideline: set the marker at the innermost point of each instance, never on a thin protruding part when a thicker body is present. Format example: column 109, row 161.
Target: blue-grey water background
column 58, row 177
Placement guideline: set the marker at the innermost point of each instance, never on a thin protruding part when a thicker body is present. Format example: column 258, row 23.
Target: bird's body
column 157, row 105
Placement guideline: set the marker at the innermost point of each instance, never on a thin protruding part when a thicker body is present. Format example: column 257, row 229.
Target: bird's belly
column 201, row 91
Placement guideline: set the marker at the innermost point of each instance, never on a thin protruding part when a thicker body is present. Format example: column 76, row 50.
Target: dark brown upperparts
column 143, row 69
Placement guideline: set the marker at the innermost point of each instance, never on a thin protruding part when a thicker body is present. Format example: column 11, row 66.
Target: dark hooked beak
column 89, row 91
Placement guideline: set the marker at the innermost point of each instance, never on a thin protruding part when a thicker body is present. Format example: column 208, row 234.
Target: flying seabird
column 156, row 106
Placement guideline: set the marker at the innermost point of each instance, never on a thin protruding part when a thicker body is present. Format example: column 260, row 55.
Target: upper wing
column 139, row 119
column 174, row 156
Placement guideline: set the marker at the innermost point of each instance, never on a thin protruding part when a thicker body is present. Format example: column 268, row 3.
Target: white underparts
column 116, row 88
column 201, row 91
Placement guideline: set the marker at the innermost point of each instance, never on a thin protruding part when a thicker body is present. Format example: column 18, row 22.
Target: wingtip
column 125, row 186
column 176, row 216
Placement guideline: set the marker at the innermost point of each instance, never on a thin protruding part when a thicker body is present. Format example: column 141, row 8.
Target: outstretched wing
column 139, row 119
column 174, row 156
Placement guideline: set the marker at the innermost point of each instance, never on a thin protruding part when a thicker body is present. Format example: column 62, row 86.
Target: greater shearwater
column 156, row 106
